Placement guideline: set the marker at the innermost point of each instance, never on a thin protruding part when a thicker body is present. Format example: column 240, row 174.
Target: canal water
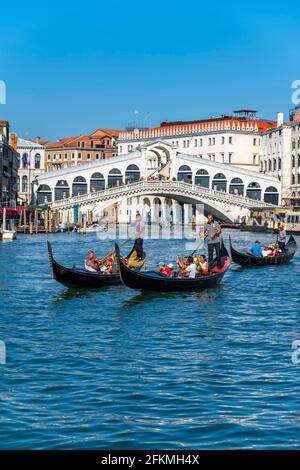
column 122, row 369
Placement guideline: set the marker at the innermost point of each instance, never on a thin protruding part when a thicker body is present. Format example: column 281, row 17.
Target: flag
column 25, row 161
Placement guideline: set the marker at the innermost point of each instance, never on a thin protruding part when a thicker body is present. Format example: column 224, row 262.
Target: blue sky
column 72, row 67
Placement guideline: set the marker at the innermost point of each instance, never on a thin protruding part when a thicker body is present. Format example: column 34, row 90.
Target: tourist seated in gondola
column 190, row 269
column 267, row 251
column 202, row 265
column 182, row 264
column 91, row 263
column 256, row 249
column 166, row 270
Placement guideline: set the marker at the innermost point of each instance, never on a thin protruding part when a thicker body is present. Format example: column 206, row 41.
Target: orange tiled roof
column 103, row 132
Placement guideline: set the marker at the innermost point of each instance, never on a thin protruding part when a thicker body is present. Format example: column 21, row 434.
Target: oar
column 113, row 251
column 197, row 248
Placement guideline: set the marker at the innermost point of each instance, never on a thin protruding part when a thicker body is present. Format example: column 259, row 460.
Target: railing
column 160, row 186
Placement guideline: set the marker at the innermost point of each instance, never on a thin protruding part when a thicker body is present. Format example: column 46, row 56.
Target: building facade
column 233, row 140
column 9, row 164
column 67, row 152
column 32, row 164
column 280, row 155
column 134, row 167
column 295, row 147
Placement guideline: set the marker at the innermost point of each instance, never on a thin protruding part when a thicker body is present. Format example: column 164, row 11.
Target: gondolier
column 282, row 237
column 139, row 235
column 212, row 233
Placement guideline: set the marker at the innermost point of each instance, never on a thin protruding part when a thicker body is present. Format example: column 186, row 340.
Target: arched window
column 271, row 195
column 62, row 190
column 115, row 178
column 219, row 182
column 184, row 174
column 44, row 194
column 132, row 174
column 79, row 186
column 236, row 186
column 97, row 182
column 37, row 161
column 254, row 191
column 24, row 184
column 202, row 178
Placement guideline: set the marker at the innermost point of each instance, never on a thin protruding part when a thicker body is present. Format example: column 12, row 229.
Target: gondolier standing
column 282, row 237
column 139, row 229
column 212, row 233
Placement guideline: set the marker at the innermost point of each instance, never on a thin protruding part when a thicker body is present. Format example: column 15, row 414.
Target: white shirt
column 90, row 268
column 266, row 252
column 191, row 269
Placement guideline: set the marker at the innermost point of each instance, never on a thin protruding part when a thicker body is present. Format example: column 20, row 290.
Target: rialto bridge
column 156, row 179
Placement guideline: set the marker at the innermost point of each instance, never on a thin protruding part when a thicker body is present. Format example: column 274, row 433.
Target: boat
column 9, row 234
column 290, row 217
column 248, row 259
column 155, row 281
column 234, row 226
column 81, row 278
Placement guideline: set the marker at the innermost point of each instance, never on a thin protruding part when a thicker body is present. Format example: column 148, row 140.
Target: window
column 37, row 161
column 73, row 156
column 24, row 184
column 66, row 156
column 254, row 141
column 49, row 157
column 88, row 156
column 223, row 140
column 230, row 140
column 195, row 143
column 79, row 156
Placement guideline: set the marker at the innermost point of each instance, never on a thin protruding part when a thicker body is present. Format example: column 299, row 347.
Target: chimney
column 13, row 140
column 279, row 119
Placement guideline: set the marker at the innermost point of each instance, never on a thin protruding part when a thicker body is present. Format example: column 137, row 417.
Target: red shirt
column 167, row 271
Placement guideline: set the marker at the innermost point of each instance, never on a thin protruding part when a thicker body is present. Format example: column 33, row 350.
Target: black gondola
column 80, row 277
column 247, row 259
column 154, row 281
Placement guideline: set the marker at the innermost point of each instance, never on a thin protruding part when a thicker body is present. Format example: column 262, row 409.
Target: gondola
column 154, row 281
column 248, row 259
column 82, row 278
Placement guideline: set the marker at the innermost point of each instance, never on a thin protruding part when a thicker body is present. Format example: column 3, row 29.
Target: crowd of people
column 189, row 267
column 192, row 266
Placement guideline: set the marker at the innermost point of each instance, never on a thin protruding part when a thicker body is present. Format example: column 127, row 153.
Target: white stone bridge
column 175, row 194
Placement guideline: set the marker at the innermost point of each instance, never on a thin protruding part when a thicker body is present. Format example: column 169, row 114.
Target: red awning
column 13, row 212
